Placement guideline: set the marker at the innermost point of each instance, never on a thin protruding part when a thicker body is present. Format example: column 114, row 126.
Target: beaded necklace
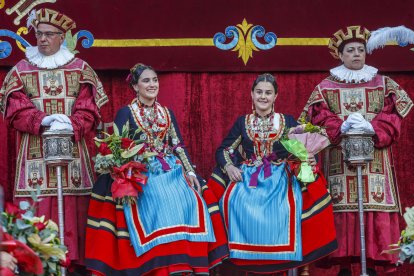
column 262, row 132
column 262, row 125
column 154, row 122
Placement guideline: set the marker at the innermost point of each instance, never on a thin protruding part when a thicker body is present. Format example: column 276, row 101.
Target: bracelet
column 190, row 173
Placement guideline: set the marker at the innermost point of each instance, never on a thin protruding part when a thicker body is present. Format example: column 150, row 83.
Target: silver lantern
column 57, row 147
column 358, row 150
column 357, row 147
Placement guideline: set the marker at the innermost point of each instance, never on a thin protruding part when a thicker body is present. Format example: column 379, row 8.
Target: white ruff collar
column 365, row 74
column 60, row 58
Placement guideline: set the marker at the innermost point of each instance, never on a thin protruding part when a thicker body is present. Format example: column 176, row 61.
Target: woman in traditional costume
column 273, row 221
column 355, row 96
column 169, row 230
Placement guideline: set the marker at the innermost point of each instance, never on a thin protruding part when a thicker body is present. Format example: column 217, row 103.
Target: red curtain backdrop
column 157, row 19
column 207, row 104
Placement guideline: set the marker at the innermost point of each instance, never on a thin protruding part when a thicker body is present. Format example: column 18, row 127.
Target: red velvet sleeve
column 22, row 114
column 85, row 114
column 320, row 115
column 387, row 124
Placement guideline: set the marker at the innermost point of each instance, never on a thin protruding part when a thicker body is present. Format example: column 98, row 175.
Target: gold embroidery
column 335, row 164
column 181, row 153
column 72, row 80
column 375, row 100
column 30, row 85
column 274, row 135
column 89, row 76
column 233, row 147
column 78, row 179
column 376, row 166
column 353, row 188
column 35, row 146
column 403, row 103
column 315, row 97
column 11, row 83
column 54, row 106
column 75, row 150
column 332, row 98
column 52, row 181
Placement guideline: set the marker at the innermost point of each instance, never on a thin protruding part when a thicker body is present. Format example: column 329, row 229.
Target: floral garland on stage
column 33, row 241
column 405, row 246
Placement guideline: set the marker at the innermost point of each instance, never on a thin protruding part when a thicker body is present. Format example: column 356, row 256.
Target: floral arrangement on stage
column 405, row 246
column 118, row 154
column 33, row 241
column 303, row 141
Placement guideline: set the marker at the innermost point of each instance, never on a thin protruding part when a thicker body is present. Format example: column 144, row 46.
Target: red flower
column 5, row 271
column 104, row 149
column 27, row 259
column 39, row 225
column 123, row 187
column 126, row 143
column 128, row 180
column 65, row 263
column 13, row 210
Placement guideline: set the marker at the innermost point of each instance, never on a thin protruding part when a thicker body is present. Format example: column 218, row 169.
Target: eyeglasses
column 39, row 34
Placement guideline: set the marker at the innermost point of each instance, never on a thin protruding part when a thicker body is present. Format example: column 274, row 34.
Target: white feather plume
column 30, row 18
column 379, row 38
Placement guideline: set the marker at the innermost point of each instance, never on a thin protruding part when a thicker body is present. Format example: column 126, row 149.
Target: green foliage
column 71, row 42
column 118, row 156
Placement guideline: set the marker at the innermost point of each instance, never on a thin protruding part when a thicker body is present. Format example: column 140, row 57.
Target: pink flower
column 104, row 149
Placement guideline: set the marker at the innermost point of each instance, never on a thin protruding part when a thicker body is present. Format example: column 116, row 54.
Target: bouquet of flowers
column 118, row 155
column 32, row 240
column 405, row 246
column 302, row 141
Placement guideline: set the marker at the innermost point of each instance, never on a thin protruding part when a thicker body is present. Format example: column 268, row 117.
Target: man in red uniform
column 52, row 88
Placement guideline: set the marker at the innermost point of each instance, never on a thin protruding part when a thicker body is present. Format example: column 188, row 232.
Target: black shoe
column 371, row 272
column 345, row 272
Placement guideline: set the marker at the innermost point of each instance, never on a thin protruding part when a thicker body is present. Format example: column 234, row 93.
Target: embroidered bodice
column 254, row 138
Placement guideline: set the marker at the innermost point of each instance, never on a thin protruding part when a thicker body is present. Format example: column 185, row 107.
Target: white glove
column 353, row 118
column 363, row 126
column 345, row 126
column 48, row 120
column 56, row 125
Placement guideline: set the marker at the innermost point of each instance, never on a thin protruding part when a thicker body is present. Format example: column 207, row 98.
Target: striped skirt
column 169, row 230
column 278, row 225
